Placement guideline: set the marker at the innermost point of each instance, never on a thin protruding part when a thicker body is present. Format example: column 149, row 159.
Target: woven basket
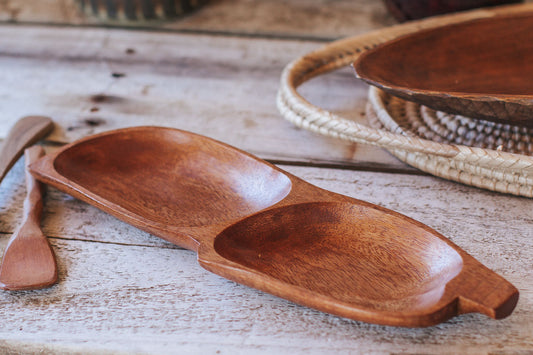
column 502, row 167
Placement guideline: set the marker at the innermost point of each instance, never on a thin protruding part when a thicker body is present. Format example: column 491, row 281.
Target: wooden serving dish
column 479, row 68
column 253, row 223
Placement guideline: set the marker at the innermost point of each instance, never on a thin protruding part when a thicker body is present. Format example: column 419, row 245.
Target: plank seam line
column 187, row 31
column 171, row 246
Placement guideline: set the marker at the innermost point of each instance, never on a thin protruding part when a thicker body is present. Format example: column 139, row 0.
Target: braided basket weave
column 469, row 151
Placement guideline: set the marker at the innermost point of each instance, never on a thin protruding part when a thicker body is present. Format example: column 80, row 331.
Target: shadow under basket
column 138, row 10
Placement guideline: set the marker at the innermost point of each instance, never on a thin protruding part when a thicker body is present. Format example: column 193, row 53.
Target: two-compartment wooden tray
column 258, row 225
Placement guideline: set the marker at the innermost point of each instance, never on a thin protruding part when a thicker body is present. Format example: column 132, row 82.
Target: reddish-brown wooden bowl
column 479, row 68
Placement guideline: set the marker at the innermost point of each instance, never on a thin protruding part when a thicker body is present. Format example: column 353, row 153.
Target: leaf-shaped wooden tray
column 253, row 223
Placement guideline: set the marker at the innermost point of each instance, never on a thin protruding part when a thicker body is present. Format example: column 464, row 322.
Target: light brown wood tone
column 29, row 262
column 24, row 133
column 477, row 68
column 253, row 223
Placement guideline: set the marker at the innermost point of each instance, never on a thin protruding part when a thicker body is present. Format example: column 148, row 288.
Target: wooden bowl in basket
column 480, row 68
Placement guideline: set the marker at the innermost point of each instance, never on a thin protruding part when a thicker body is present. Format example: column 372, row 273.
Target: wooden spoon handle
column 25, row 132
column 33, row 203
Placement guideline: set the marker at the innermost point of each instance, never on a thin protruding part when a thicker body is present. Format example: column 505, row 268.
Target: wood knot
column 93, row 122
column 103, row 98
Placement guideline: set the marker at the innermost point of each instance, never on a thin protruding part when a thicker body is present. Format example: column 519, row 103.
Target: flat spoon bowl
column 478, row 68
column 258, row 225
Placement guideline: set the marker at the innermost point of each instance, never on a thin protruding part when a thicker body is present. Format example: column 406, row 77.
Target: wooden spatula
column 29, row 261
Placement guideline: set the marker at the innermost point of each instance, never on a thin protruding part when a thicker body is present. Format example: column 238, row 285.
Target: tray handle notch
column 484, row 291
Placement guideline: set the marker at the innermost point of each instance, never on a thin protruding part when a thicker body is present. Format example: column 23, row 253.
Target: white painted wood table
column 216, row 73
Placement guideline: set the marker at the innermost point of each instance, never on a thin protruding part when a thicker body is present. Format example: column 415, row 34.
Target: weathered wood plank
column 142, row 299
column 314, row 19
column 123, row 290
column 92, row 80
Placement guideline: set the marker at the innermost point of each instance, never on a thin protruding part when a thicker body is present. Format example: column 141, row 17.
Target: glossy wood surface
column 479, row 68
column 24, row 133
column 29, row 262
column 253, row 223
